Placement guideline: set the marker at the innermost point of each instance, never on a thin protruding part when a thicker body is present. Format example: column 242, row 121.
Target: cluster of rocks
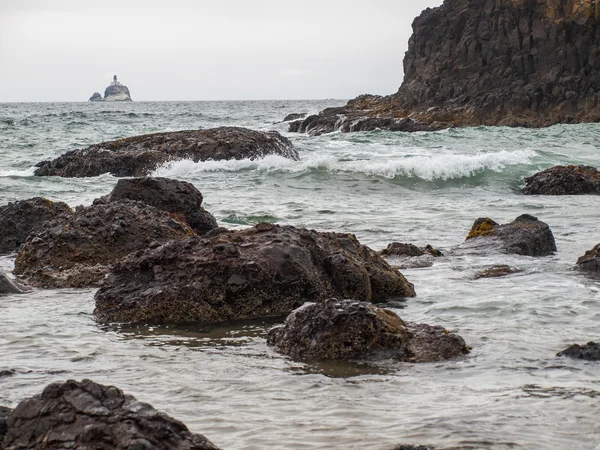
column 115, row 92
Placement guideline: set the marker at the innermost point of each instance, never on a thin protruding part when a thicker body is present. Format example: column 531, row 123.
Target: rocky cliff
column 489, row 62
column 116, row 92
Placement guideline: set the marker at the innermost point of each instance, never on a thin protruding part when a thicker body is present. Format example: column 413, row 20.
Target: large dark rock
column 267, row 270
column 349, row 329
column 78, row 250
column 564, row 180
column 526, row 235
column 589, row 352
column 490, row 62
column 590, row 261
column 139, row 155
column 88, row 415
column 4, row 413
column 19, row 219
column 179, row 198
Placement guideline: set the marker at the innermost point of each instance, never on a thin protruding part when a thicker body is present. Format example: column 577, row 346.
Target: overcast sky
column 65, row 50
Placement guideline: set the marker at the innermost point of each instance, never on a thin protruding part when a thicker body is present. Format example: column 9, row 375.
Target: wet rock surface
column 267, row 270
column 564, row 180
column 139, row 155
column 590, row 261
column 487, row 62
column 589, row 351
column 19, row 219
column 88, row 415
column 350, row 329
column 501, row 270
column 294, row 116
column 7, row 286
column 526, row 235
column 401, row 249
column 4, row 413
column 78, row 250
column 179, row 198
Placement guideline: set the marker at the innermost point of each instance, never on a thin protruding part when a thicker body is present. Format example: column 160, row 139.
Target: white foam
column 18, row 173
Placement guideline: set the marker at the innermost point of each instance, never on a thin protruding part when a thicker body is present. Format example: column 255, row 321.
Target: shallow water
column 424, row 188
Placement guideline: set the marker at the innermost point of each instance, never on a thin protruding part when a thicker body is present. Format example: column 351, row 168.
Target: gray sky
column 64, row 50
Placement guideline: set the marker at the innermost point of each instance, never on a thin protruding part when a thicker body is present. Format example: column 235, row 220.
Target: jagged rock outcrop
column 590, row 261
column 264, row 271
column 564, row 180
column 589, row 351
column 294, row 116
column 138, row 156
column 350, row 329
column 526, row 235
column 88, row 415
column 179, row 198
column 78, row 250
column 115, row 92
column 19, row 219
column 489, row 62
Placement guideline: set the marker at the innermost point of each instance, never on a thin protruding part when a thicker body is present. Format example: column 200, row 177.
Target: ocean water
column 511, row 392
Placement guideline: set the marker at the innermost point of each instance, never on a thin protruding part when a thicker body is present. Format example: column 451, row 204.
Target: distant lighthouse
column 115, row 82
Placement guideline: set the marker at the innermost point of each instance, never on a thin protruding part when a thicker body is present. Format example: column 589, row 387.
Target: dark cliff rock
column 139, row 155
column 88, row 415
column 78, row 250
column 526, row 235
column 589, row 352
column 590, row 261
column 4, row 413
column 19, row 219
column 179, row 198
column 266, row 270
column 349, row 329
column 294, row 116
column 564, row 180
column 491, row 62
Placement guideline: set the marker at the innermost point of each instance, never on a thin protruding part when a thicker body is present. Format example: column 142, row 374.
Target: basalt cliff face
column 487, row 62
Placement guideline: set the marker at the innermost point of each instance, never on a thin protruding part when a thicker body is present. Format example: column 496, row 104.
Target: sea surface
column 511, row 392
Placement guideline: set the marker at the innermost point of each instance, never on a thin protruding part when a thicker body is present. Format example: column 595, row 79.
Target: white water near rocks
column 424, row 188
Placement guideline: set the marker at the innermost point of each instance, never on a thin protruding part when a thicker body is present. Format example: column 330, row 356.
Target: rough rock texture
column 266, row 270
column 490, row 62
column 19, row 219
column 87, row 415
column 564, row 180
column 350, row 329
column 495, row 272
column 590, row 262
column 590, row 351
column 179, row 198
column 294, row 116
column 97, row 97
column 526, row 235
column 79, row 249
column 400, row 249
column 4, row 413
column 117, row 93
column 8, row 287
column 139, row 155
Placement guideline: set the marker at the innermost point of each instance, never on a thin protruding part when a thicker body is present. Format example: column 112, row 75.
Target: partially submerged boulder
column 294, row 116
column 179, row 198
column 501, row 270
column 19, row 219
column 564, row 180
column 78, row 250
column 589, row 352
column 401, row 249
column 526, row 235
column 140, row 155
column 590, row 261
column 88, row 415
column 266, row 270
column 350, row 329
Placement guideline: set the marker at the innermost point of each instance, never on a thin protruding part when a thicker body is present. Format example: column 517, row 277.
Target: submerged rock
column 140, row 155
column 350, row 329
column 400, row 249
column 78, row 250
column 526, row 235
column 179, row 198
column 589, row 352
column 88, row 415
column 564, row 180
column 19, row 219
column 590, row 262
column 266, row 270
column 496, row 271
column 294, row 116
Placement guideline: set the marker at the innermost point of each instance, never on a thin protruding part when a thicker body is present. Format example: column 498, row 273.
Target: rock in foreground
column 138, row 156
column 349, row 329
column 589, row 352
column 79, row 249
column 267, row 270
column 179, row 198
column 88, row 415
column 564, row 180
column 19, row 219
column 526, row 235
column 590, row 262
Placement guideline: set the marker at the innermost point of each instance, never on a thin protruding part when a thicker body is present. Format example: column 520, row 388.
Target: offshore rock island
column 530, row 63
column 116, row 92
